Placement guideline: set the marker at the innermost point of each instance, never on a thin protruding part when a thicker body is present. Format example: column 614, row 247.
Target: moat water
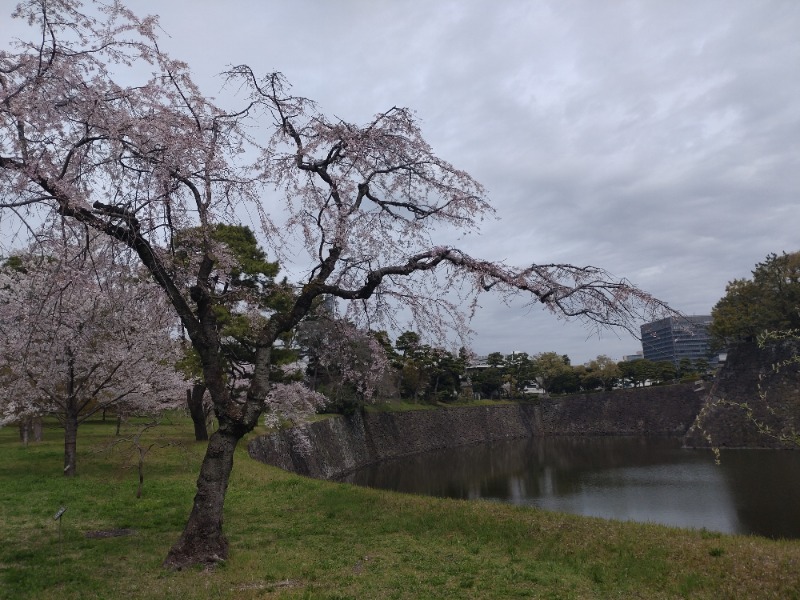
column 637, row 479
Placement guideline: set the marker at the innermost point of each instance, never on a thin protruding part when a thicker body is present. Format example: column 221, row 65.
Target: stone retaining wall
column 336, row 446
column 749, row 377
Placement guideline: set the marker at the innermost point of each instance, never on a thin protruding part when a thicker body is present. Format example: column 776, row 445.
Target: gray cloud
column 657, row 139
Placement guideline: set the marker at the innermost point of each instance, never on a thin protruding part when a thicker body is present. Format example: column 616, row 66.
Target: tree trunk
column 24, row 431
column 30, row 428
column 202, row 541
column 141, row 469
column 70, row 441
column 70, row 419
column 194, row 398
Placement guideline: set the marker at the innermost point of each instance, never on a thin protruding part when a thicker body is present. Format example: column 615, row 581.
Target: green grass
column 292, row 537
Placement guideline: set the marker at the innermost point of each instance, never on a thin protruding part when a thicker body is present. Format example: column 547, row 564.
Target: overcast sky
column 657, row 139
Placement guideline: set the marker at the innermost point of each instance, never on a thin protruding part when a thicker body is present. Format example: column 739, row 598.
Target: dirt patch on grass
column 108, row 533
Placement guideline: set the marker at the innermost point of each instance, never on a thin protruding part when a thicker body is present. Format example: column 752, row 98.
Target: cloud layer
column 659, row 140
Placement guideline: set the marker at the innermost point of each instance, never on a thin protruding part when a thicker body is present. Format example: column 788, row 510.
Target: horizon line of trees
column 417, row 372
column 508, row 376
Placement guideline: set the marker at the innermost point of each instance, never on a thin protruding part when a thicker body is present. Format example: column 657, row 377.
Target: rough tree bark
column 194, row 399
column 202, row 540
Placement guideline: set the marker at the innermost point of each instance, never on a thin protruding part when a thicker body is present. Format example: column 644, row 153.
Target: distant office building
column 631, row 357
column 675, row 338
column 479, row 362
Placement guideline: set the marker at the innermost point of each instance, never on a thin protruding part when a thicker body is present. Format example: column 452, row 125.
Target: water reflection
column 752, row 491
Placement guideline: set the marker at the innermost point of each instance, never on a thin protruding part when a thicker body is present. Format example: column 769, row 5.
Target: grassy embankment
column 298, row 538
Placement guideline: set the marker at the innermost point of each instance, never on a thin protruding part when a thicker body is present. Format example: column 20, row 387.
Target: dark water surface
column 648, row 480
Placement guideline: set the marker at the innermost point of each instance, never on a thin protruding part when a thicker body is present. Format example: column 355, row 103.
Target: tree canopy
column 86, row 138
column 770, row 300
column 83, row 329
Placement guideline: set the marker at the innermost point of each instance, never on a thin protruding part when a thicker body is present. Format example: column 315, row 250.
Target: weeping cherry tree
column 86, row 138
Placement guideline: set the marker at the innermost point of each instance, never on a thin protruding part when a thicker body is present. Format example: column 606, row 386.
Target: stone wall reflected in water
column 647, row 480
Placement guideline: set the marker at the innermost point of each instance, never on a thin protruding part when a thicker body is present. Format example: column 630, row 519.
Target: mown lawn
column 293, row 537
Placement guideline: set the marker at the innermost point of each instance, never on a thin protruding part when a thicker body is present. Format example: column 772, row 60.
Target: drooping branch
column 151, row 163
column 587, row 292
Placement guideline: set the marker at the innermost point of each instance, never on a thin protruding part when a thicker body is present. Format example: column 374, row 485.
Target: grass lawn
column 292, row 537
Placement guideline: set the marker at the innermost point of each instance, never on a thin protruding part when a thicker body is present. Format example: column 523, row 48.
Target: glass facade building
column 675, row 338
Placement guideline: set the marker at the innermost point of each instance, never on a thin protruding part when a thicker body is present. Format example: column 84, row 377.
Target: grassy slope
column 298, row 538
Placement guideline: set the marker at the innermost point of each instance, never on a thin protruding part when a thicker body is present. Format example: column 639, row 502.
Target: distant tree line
column 416, row 372
column 519, row 374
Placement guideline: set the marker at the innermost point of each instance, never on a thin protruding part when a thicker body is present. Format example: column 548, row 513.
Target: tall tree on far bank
column 553, row 372
column 601, row 372
column 84, row 137
column 758, row 321
column 82, row 331
column 769, row 301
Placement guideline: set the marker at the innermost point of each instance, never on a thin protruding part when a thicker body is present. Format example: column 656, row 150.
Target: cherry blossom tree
column 82, row 331
column 349, row 364
column 85, row 137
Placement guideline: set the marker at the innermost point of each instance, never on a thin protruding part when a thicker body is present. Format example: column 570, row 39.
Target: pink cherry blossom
column 83, row 329
column 86, row 139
